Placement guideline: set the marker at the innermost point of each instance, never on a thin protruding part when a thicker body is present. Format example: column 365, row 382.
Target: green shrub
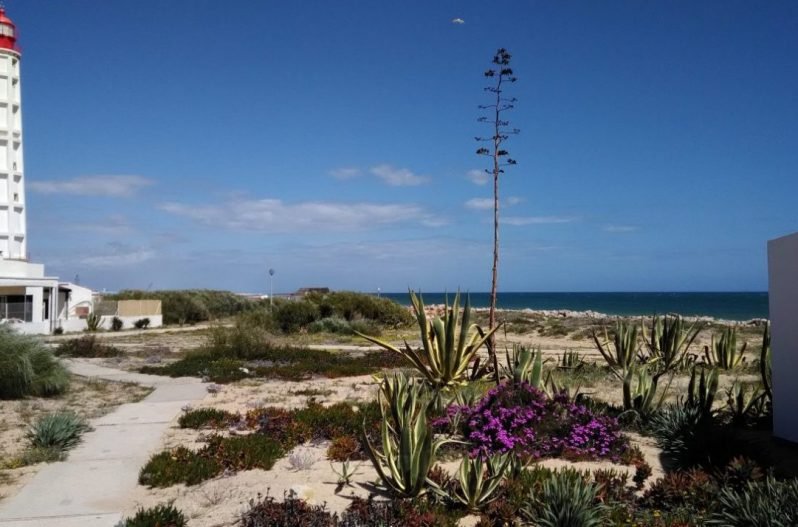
column 87, row 346
column 32, row 456
column 206, row 418
column 142, row 323
column 239, row 341
column 761, row 504
column 294, row 316
column 354, row 306
column 191, row 305
column 331, row 325
column 182, row 465
column 117, row 324
column 61, row 430
column 179, row 465
column 27, row 367
column 159, row 516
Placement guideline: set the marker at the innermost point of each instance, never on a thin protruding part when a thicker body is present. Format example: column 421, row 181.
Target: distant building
column 305, row 291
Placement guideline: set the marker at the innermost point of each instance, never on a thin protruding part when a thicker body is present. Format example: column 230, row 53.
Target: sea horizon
column 727, row 305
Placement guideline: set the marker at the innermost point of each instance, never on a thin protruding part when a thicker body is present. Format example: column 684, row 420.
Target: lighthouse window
column 6, row 31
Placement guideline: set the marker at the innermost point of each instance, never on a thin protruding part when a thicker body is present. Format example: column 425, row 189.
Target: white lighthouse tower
column 13, row 240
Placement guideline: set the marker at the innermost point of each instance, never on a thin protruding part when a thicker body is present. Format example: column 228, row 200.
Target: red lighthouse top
column 8, row 32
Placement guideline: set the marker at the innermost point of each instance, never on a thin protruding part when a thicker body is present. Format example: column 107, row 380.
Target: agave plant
column 669, row 341
column 448, row 344
column 766, row 365
column 570, row 360
column 702, row 394
column 640, row 391
column 93, row 322
column 524, row 365
column 723, row 352
column 620, row 352
column 480, row 479
column 745, row 402
column 408, row 445
column 567, row 499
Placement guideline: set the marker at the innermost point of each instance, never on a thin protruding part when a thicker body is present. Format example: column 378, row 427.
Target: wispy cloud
column 536, row 220
column 388, row 174
column 621, row 228
column 479, row 204
column 113, row 225
column 346, row 172
column 397, row 177
column 478, row 176
column 487, row 203
column 117, row 255
column 109, row 186
column 273, row 215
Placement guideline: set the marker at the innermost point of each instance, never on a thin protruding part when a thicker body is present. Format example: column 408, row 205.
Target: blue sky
column 198, row 143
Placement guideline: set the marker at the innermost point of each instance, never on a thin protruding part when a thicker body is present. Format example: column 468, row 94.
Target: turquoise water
column 729, row 306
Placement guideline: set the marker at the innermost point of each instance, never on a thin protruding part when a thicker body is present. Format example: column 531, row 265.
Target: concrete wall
column 783, row 295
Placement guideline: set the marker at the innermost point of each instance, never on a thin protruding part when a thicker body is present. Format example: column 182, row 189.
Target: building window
column 16, row 307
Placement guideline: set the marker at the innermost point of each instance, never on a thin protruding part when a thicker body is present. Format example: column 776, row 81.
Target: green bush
column 182, row 465
column 353, row 306
column 239, row 342
column 294, row 316
column 770, row 503
column 117, row 324
column 160, row 516
column 179, row 465
column 87, row 346
column 331, row 325
column 27, row 367
column 142, row 323
column 60, row 431
column 191, row 305
column 206, row 418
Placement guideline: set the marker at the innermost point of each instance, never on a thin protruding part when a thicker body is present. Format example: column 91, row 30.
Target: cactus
column 570, row 360
column 480, row 479
column 669, row 341
column 723, row 352
column 640, row 391
column 449, row 344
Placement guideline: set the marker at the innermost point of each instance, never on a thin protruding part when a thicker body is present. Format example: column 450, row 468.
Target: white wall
column 156, row 321
column 783, row 295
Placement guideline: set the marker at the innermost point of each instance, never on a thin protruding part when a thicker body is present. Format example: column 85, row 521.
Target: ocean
column 728, row 306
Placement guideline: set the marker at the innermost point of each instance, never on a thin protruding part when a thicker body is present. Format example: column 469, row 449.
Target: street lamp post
column 271, row 289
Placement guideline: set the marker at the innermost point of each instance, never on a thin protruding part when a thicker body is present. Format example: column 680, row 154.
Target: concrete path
column 91, row 488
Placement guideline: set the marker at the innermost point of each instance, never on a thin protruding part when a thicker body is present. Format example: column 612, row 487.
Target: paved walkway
column 92, row 487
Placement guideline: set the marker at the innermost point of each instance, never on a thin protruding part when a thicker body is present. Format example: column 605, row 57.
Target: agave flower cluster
column 521, row 419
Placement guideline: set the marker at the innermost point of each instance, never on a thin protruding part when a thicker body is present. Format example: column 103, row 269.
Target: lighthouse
column 13, row 240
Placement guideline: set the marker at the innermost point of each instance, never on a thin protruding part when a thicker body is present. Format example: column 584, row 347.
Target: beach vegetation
column 190, row 306
column 142, row 323
column 93, row 322
column 60, row 431
column 28, row 368
column 88, row 346
column 723, row 351
column 117, row 324
column 449, row 345
column 164, row 515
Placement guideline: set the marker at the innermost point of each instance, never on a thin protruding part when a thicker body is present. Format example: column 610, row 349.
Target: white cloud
column 478, row 177
column 621, row 228
column 487, row 203
column 479, row 203
column 272, row 215
column 110, row 186
column 397, row 177
column 113, row 225
column 346, row 173
column 535, row 220
column 117, row 255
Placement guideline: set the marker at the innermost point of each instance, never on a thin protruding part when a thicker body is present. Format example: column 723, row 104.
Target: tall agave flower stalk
column 449, row 344
column 669, row 341
column 723, row 352
column 408, row 445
